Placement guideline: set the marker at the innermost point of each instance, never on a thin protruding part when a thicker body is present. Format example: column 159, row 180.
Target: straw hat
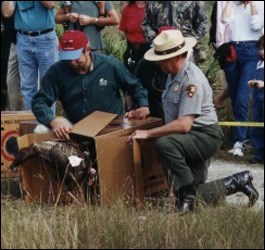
column 169, row 44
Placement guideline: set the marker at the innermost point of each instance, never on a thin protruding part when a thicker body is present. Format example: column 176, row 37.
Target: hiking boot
column 241, row 182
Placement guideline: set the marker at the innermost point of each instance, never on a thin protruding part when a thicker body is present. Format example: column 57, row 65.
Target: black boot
column 241, row 182
column 186, row 198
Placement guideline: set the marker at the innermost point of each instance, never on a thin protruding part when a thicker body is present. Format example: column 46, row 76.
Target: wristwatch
column 96, row 20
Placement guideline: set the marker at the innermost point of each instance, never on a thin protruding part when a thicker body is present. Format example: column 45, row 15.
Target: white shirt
column 245, row 27
column 223, row 30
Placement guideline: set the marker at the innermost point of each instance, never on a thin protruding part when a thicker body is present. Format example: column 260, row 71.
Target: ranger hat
column 169, row 44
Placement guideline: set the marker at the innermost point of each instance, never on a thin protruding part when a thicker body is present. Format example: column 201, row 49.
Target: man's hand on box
column 61, row 128
column 140, row 113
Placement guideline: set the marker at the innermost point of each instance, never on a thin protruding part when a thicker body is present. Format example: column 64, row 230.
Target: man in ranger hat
column 191, row 134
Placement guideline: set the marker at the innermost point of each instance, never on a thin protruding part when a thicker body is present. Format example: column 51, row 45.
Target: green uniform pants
column 211, row 192
column 184, row 156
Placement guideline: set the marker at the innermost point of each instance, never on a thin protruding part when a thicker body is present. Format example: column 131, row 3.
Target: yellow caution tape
column 242, row 124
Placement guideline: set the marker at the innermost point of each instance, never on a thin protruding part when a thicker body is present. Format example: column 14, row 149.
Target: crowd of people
column 159, row 76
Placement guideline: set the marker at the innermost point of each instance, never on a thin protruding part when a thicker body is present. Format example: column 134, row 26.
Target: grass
column 120, row 227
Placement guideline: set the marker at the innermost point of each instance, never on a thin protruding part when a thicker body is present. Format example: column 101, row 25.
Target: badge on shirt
column 191, row 90
column 176, row 89
column 103, row 82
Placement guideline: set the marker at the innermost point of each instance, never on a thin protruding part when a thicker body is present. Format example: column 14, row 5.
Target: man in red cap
column 85, row 82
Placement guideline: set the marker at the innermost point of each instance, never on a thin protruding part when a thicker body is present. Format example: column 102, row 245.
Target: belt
column 35, row 33
column 245, row 42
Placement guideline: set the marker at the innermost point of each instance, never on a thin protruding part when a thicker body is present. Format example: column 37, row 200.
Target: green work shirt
column 81, row 95
column 189, row 93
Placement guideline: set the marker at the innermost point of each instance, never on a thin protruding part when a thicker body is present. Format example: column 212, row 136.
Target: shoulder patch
column 191, row 90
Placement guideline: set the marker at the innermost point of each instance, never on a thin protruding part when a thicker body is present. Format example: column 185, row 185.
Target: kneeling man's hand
column 140, row 113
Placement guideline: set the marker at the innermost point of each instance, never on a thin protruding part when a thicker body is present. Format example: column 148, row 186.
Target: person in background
column 85, row 82
column 5, row 48
column 188, row 16
column 154, row 80
column 89, row 17
column 131, row 20
column 219, row 39
column 36, row 42
column 257, row 135
column 15, row 99
column 246, row 20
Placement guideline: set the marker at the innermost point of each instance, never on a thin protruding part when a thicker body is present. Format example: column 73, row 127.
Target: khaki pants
column 13, row 81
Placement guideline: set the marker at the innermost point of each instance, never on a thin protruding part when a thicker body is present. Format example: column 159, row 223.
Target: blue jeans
column 35, row 56
column 238, row 74
column 257, row 135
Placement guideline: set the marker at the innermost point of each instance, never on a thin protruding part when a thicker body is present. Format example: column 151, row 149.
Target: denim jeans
column 238, row 74
column 35, row 55
column 257, row 134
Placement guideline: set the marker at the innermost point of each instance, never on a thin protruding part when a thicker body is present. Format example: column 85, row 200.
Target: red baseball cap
column 72, row 44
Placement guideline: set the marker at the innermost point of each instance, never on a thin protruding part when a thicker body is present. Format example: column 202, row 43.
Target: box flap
column 26, row 140
column 24, row 112
column 91, row 125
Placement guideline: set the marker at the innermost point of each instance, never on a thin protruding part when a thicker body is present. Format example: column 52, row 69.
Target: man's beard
column 77, row 68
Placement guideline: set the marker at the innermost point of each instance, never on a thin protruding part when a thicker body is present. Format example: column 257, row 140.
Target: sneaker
column 238, row 149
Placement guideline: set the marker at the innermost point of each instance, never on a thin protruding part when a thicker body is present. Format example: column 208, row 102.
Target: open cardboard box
column 124, row 170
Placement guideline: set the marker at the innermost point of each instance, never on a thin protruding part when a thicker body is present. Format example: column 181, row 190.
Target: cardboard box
column 27, row 127
column 124, row 170
column 9, row 132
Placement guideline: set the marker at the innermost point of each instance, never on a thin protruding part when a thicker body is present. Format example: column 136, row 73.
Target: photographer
column 90, row 17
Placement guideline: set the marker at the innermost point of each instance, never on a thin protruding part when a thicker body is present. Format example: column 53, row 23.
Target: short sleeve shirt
column 90, row 8
column 189, row 93
column 33, row 16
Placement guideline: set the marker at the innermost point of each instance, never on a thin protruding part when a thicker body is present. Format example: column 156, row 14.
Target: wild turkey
column 71, row 163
